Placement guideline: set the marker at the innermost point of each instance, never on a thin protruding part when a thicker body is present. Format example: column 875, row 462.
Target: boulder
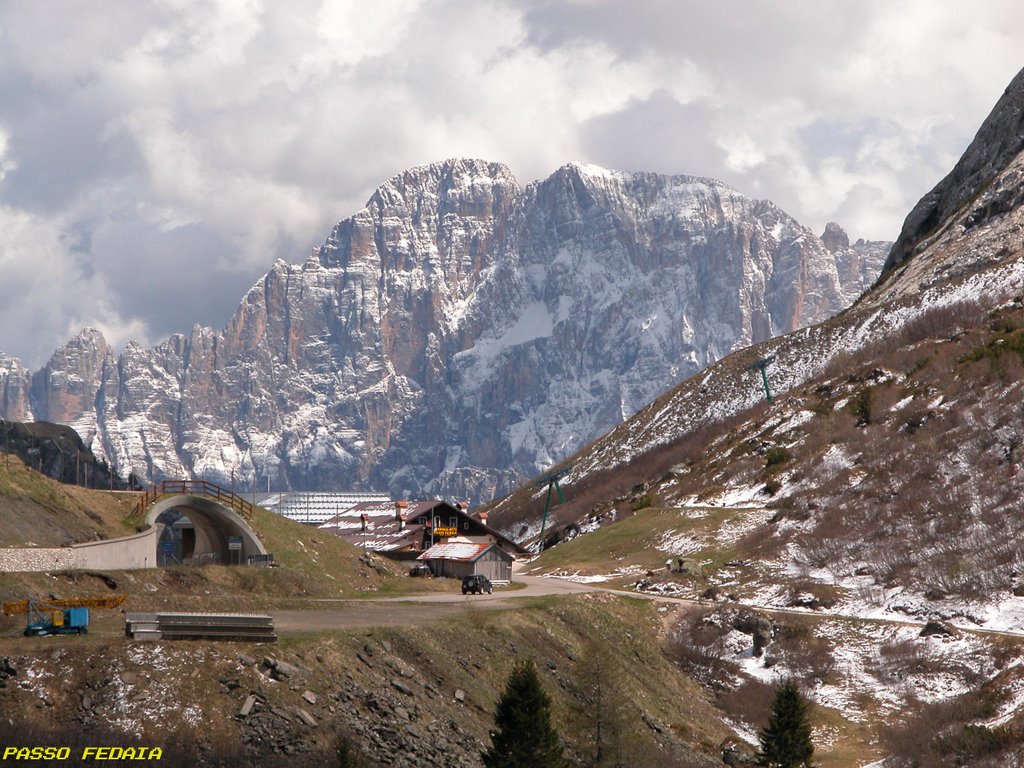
column 938, row 628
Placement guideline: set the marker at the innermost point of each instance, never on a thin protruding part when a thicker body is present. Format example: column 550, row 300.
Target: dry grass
column 50, row 514
column 472, row 653
column 909, row 465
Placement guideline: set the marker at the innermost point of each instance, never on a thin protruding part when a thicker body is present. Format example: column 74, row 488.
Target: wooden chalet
column 442, row 535
column 460, row 557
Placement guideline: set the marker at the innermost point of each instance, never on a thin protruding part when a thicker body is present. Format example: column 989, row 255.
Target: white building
column 315, row 507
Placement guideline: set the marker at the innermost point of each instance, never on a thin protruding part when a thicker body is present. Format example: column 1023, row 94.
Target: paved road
column 419, row 609
column 414, row 609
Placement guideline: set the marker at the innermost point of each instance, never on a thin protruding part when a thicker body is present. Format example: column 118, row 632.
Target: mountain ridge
column 973, row 258
column 998, row 141
column 456, row 334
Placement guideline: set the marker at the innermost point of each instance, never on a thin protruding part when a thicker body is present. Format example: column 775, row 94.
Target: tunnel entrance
column 200, row 531
column 177, row 542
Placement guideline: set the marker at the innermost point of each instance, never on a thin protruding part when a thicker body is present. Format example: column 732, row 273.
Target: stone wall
column 38, row 559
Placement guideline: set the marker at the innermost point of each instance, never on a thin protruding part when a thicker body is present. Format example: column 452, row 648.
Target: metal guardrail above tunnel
column 190, row 488
column 220, row 521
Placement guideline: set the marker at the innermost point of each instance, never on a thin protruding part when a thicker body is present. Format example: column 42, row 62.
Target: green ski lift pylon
column 551, row 481
column 761, row 365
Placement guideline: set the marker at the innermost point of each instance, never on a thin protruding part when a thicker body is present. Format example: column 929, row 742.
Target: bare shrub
column 808, row 656
column 749, row 702
column 813, row 594
column 897, row 660
column 945, row 734
column 939, row 322
column 758, row 543
column 892, row 564
column 696, row 646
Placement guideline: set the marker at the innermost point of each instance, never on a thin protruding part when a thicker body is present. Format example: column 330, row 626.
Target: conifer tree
column 786, row 741
column 346, row 754
column 602, row 711
column 524, row 736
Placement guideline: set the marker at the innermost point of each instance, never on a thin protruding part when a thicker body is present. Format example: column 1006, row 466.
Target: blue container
column 76, row 617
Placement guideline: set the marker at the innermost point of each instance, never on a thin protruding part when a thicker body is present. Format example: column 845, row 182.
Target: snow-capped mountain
column 456, row 334
column 881, row 485
column 961, row 252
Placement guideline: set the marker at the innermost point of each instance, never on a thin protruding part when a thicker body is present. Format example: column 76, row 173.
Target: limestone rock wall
column 455, row 335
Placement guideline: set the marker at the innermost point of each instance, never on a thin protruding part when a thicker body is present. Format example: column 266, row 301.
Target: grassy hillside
column 887, row 487
column 38, row 511
column 412, row 696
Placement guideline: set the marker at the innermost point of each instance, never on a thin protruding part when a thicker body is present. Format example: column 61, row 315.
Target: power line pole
column 551, row 481
column 762, row 365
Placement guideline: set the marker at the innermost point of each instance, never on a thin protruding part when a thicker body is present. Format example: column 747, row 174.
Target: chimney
column 482, row 517
column 400, row 507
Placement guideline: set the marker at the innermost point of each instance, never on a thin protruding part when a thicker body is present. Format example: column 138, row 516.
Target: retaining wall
column 126, row 553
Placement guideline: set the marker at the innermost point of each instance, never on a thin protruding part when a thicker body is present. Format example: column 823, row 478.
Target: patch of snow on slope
column 789, row 421
column 736, row 498
column 1005, row 613
column 887, row 663
column 1014, row 701
column 534, row 322
column 679, row 543
column 578, row 578
column 738, row 526
column 744, row 731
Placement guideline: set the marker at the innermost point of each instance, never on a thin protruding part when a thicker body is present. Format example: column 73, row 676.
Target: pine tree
column 786, row 741
column 346, row 754
column 524, row 737
column 602, row 711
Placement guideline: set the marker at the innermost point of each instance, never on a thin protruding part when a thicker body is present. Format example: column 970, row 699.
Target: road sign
column 234, row 543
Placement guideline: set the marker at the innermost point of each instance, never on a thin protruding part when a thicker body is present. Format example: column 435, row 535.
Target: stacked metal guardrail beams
column 200, row 626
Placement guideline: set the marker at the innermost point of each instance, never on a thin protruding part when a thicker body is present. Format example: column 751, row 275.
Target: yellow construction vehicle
column 59, row 617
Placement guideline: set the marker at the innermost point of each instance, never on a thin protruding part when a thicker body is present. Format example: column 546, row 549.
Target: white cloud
column 356, row 30
column 47, row 296
column 157, row 141
column 6, row 164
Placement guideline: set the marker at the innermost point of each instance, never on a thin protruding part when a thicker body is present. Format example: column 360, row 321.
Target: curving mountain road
column 414, row 609
column 421, row 609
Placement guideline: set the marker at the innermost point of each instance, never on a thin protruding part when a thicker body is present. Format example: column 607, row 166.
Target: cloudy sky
column 157, row 157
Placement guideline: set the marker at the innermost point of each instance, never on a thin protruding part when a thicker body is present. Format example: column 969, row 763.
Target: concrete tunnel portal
column 214, row 526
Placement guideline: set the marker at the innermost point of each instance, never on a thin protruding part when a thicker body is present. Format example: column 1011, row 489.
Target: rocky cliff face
column 15, row 379
column 456, row 334
column 998, row 143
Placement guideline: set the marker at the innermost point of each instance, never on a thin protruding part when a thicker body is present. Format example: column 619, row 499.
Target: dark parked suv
column 476, row 584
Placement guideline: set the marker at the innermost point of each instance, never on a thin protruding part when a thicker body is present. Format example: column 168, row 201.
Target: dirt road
column 416, row 609
column 419, row 609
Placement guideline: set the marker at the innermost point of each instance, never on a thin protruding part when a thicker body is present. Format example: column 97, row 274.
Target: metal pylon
column 551, row 481
column 762, row 365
